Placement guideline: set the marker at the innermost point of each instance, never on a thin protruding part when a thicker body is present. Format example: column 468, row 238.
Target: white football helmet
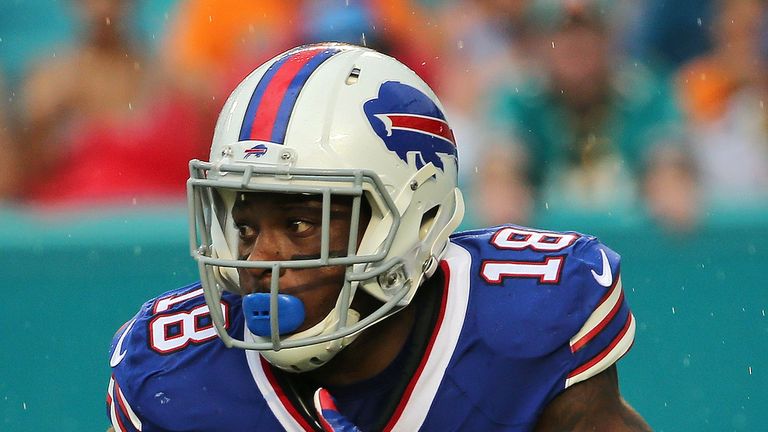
column 329, row 119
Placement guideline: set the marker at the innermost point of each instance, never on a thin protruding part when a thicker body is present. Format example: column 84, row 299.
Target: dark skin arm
column 591, row 405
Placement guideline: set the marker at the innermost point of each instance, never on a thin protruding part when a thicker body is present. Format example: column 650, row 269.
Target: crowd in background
column 653, row 107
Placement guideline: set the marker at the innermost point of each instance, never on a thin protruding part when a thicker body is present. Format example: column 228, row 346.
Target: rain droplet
column 673, row 310
column 698, row 22
column 750, row 370
column 459, row 44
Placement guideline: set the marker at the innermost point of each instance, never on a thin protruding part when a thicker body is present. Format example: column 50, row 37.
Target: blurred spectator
column 9, row 161
column 401, row 28
column 99, row 123
column 671, row 189
column 213, row 44
column 587, row 119
column 724, row 94
column 481, row 48
column 671, row 32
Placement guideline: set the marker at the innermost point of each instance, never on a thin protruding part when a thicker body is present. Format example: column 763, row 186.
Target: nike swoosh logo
column 119, row 354
column 606, row 278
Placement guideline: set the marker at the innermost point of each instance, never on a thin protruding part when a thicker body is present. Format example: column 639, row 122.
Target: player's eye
column 246, row 232
column 301, row 227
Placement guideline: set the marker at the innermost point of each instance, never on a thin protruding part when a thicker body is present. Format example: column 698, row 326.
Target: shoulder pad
column 176, row 323
column 537, row 290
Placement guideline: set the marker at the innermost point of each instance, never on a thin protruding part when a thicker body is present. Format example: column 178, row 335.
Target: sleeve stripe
column 115, row 419
column 127, row 408
column 617, row 348
column 602, row 315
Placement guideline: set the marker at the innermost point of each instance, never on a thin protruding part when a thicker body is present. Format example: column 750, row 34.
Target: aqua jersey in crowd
column 639, row 112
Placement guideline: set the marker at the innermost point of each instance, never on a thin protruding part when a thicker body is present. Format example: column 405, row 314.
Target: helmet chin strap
column 448, row 228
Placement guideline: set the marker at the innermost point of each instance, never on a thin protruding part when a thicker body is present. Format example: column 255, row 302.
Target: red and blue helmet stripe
column 273, row 99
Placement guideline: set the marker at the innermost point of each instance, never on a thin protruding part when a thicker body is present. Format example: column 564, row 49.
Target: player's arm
column 120, row 413
column 591, row 405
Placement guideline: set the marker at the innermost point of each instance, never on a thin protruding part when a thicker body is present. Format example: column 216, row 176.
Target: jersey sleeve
column 166, row 361
column 607, row 327
column 553, row 298
column 545, row 311
column 120, row 412
column 143, row 369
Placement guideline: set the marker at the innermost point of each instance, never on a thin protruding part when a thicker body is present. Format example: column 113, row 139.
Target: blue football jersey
column 524, row 315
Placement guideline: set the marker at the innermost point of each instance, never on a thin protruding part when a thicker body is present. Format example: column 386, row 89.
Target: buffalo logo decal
column 258, row 150
column 408, row 121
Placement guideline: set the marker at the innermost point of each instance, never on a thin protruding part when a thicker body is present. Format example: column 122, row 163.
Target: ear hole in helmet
column 353, row 77
column 427, row 222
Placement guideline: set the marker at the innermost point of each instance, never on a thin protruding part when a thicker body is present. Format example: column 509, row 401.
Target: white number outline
column 547, row 271
column 188, row 319
column 534, row 240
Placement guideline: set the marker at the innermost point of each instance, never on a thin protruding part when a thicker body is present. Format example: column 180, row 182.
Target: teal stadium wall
column 700, row 360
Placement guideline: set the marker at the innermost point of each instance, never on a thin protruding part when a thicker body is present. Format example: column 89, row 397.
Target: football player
column 333, row 294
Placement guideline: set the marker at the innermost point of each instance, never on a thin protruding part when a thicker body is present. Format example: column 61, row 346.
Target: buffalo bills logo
column 408, row 121
column 258, row 150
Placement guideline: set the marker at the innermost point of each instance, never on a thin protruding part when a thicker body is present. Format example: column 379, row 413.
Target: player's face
column 275, row 227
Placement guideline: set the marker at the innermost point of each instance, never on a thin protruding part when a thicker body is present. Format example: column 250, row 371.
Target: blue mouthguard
column 290, row 312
